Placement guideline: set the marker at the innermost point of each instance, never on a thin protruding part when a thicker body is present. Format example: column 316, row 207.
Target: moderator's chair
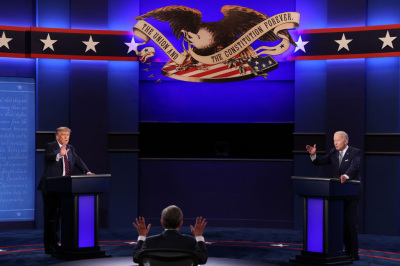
column 167, row 257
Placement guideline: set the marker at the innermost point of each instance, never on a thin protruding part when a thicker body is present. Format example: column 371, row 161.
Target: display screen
column 17, row 149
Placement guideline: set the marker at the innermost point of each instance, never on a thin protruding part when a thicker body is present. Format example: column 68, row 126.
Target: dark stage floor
column 265, row 246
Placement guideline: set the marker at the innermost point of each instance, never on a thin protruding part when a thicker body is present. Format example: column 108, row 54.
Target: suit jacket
column 54, row 168
column 172, row 239
column 350, row 163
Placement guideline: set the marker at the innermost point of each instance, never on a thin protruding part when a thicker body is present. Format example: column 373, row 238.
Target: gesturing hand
column 198, row 228
column 312, row 150
column 63, row 150
column 140, row 226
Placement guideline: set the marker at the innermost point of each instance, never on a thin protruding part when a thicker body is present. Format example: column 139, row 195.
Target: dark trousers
column 51, row 211
column 350, row 229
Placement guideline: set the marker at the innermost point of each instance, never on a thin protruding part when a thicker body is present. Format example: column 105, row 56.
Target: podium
column 79, row 214
column 323, row 218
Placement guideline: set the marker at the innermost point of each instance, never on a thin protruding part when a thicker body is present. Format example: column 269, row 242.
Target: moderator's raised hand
column 311, row 149
column 199, row 226
column 141, row 227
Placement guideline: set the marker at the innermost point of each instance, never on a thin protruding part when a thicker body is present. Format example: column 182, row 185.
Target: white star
column 132, row 45
column 300, row 45
column 18, row 214
column 4, row 41
column 343, row 43
column 90, row 45
column 270, row 62
column 264, row 65
column 48, row 43
column 387, row 40
column 256, row 67
column 257, row 63
column 19, row 87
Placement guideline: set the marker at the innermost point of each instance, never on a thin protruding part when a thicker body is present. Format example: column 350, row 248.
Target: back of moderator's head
column 171, row 217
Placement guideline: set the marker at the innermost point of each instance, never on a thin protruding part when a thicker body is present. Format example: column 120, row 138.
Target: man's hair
column 344, row 134
column 61, row 129
column 171, row 217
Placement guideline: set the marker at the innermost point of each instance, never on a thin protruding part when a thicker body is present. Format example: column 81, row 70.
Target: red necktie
column 66, row 163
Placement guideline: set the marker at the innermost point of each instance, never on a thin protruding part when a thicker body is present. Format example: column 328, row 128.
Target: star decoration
column 90, row 45
column 257, row 63
column 387, row 40
column 132, row 45
column 282, row 46
column 264, row 65
column 48, row 42
column 343, row 43
column 4, row 41
column 300, row 45
column 19, row 87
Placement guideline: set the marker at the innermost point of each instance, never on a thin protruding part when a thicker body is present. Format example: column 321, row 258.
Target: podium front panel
column 86, row 221
column 315, row 224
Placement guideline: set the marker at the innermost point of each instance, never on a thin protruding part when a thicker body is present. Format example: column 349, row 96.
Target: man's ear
column 180, row 224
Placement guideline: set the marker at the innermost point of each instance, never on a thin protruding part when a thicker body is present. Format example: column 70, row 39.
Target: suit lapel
column 345, row 156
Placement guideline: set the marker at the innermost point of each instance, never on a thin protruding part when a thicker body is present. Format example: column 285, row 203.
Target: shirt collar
column 345, row 150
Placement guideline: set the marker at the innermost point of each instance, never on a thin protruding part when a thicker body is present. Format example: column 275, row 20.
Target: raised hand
column 140, row 226
column 311, row 150
column 63, row 150
column 199, row 226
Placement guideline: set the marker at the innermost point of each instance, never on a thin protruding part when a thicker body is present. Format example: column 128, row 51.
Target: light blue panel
column 89, row 14
column 382, row 95
column 123, row 96
column 383, row 12
column 241, row 102
column 17, row 149
column 53, row 14
column 53, row 82
column 345, row 13
column 313, row 13
column 20, row 13
column 310, row 96
column 122, row 13
column 381, row 195
column 17, row 67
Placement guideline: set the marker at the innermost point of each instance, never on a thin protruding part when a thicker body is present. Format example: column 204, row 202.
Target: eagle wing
column 238, row 20
column 179, row 18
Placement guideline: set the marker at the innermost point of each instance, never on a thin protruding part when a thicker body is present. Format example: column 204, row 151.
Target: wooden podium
column 323, row 219
column 79, row 214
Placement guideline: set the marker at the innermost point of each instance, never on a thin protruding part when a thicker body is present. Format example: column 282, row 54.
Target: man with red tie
column 60, row 160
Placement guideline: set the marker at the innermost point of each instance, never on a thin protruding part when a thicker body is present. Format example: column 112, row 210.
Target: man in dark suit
column 172, row 220
column 60, row 159
column 346, row 165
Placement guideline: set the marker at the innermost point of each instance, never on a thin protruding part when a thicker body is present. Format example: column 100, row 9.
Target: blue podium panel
column 86, row 221
column 315, row 225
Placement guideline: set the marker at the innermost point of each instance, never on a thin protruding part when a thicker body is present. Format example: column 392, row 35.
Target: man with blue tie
column 60, row 160
column 346, row 164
